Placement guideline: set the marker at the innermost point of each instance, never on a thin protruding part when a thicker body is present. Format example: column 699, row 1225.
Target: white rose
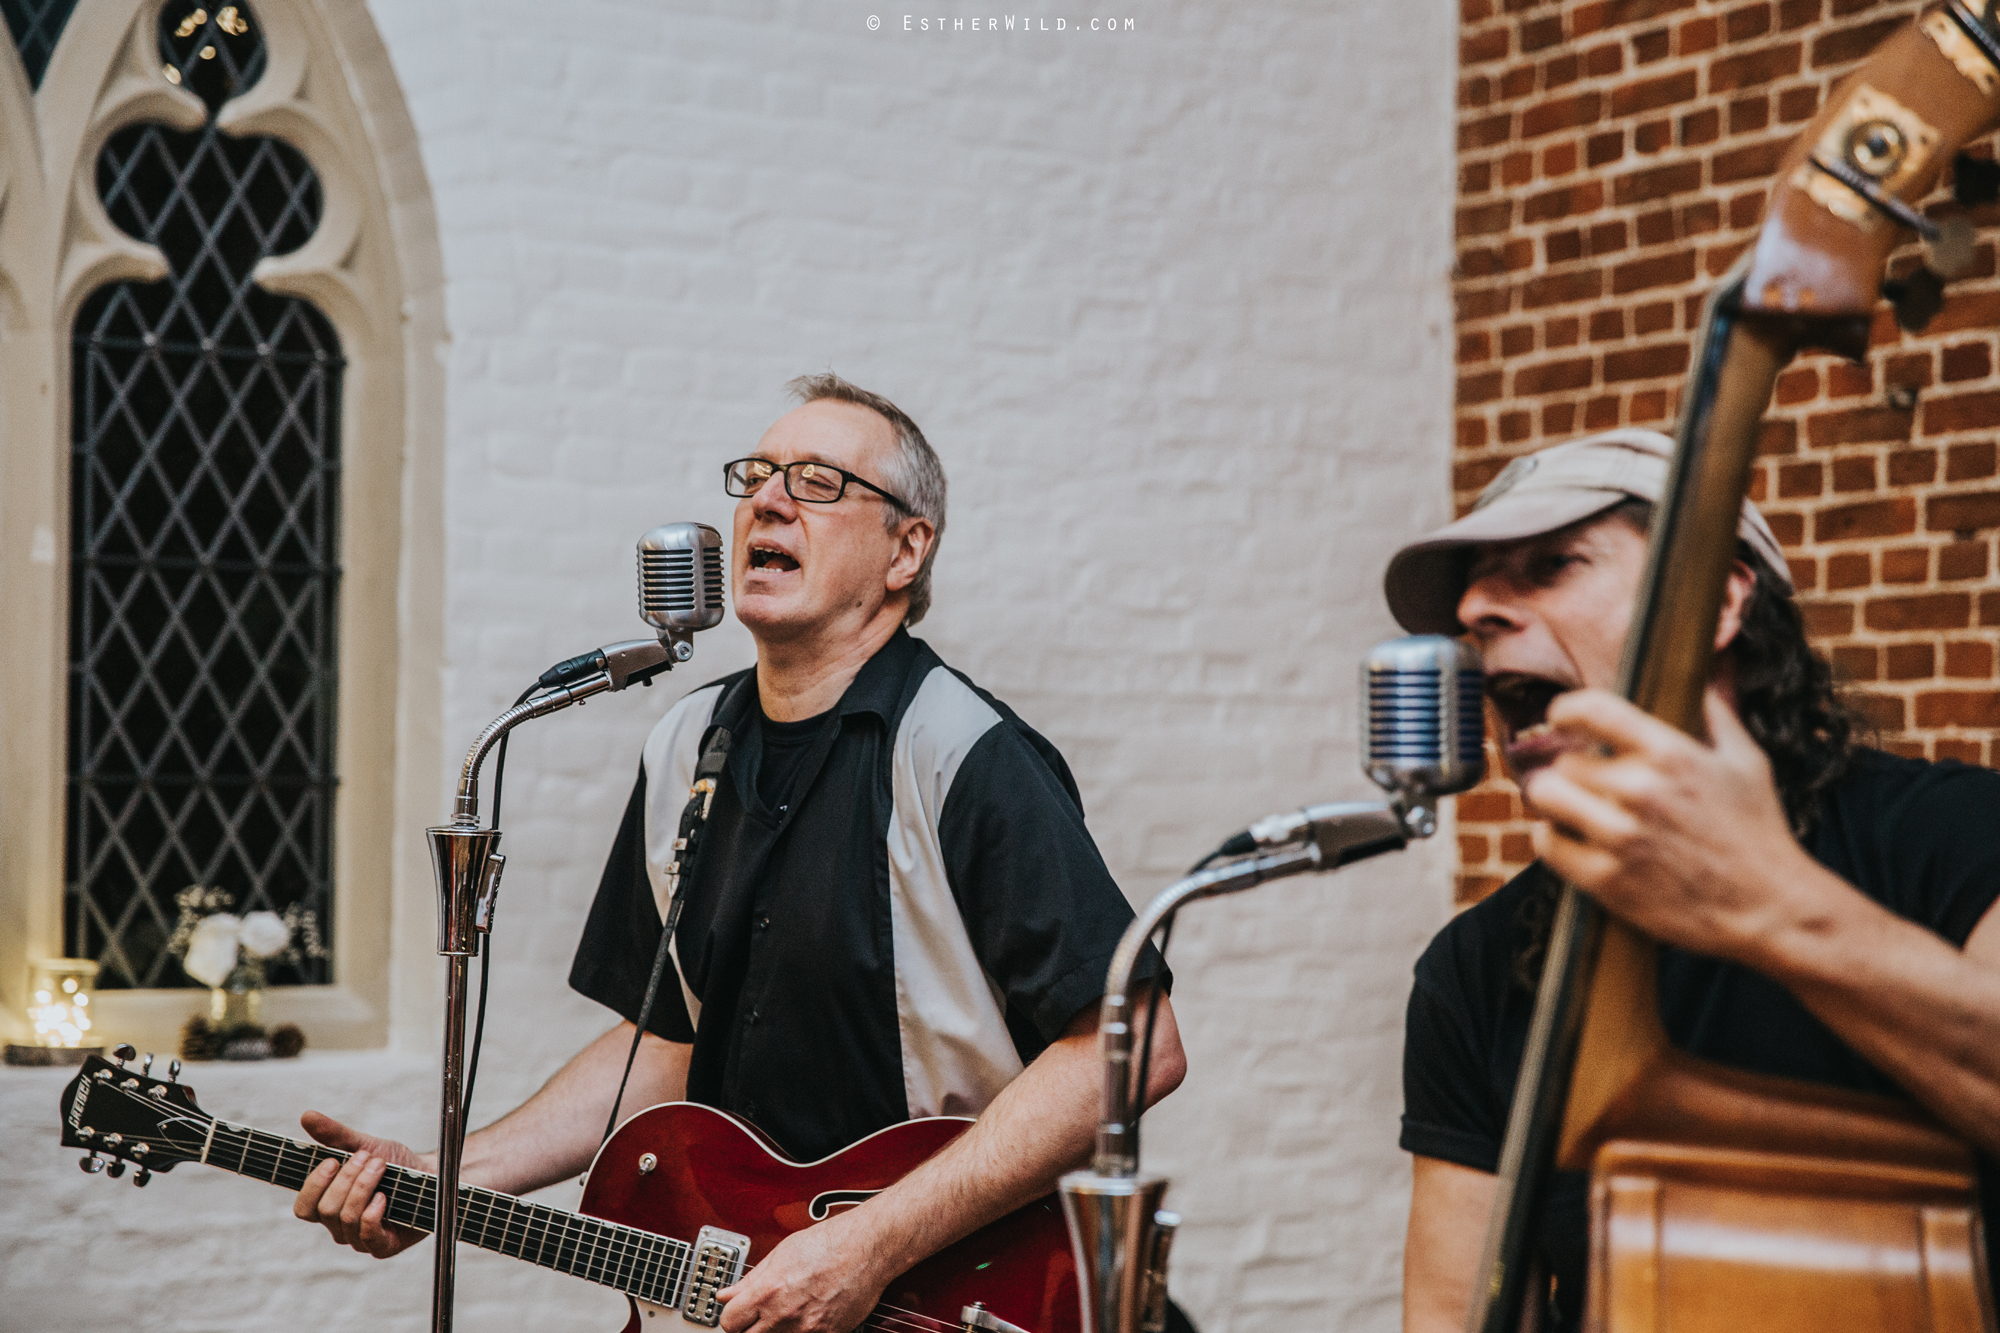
column 264, row 933
column 211, row 954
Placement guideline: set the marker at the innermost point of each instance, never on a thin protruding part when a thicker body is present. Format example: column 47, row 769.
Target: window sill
column 334, row 1018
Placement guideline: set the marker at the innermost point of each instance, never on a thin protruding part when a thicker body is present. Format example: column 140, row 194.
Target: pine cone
column 197, row 1040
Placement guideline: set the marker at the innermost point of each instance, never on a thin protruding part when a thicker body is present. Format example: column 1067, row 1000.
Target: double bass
column 1721, row 1199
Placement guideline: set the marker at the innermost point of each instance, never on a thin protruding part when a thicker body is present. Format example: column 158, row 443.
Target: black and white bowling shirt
column 916, row 917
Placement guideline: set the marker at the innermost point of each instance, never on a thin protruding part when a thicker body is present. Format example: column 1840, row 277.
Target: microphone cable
column 486, row 951
column 1166, row 935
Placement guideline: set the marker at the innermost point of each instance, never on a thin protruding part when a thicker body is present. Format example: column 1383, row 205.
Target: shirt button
column 752, row 1019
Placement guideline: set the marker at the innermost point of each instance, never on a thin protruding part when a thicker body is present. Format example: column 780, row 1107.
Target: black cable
column 478, row 1031
column 485, row 953
column 1240, row 844
column 1237, row 845
column 1152, row 1011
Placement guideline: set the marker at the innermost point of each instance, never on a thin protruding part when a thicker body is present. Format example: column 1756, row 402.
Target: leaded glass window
column 204, row 560
column 36, row 24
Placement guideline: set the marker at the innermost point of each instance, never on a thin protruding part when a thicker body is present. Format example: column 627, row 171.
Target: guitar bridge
column 717, row 1263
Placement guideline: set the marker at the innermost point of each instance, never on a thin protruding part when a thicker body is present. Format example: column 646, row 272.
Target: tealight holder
column 59, row 1008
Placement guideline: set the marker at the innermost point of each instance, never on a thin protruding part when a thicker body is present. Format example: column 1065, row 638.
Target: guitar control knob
column 141, row 1176
column 90, row 1164
column 116, row 1169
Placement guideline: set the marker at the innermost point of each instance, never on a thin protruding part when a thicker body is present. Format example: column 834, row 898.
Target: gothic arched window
column 204, row 553
column 221, row 550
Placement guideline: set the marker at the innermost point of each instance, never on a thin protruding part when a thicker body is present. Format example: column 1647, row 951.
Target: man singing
column 1826, row 908
column 896, row 910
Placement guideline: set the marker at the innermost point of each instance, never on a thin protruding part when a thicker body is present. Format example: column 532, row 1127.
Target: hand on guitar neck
column 341, row 1195
column 549, row 1138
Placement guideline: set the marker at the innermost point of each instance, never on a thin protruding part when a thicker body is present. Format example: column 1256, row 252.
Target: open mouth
column 769, row 557
column 1522, row 702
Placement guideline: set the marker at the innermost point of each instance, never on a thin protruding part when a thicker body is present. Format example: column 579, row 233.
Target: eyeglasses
column 813, row 483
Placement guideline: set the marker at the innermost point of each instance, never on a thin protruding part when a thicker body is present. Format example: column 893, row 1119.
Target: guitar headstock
column 132, row 1117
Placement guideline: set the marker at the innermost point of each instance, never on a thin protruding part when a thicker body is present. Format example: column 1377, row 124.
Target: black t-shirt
column 785, row 747
column 916, row 918
column 1921, row 839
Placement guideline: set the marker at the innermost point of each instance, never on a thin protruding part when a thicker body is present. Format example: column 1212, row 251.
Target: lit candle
column 59, row 1000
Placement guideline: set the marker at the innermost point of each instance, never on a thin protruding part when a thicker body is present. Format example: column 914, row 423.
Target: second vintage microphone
column 1425, row 722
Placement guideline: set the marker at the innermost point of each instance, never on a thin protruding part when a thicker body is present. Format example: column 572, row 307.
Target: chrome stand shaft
column 451, row 1141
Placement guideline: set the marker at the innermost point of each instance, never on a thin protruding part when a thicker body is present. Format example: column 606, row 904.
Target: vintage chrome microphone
column 1425, row 739
column 680, row 591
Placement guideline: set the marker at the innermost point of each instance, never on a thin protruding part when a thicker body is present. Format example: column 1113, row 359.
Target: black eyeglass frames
column 811, row 483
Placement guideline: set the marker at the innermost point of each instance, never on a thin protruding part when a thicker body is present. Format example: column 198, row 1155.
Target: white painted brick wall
column 1172, row 306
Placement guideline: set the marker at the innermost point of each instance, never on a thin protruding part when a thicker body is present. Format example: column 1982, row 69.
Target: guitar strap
column 694, row 818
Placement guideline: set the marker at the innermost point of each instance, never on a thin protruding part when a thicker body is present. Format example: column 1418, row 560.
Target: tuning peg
column 124, row 1051
column 90, row 1163
column 116, row 1169
column 146, row 1066
column 1954, row 250
column 141, row 1176
column 173, row 1071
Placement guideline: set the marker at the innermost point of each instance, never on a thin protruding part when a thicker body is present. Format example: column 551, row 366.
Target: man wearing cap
column 1825, row 907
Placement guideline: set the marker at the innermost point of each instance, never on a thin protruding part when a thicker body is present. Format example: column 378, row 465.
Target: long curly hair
column 1788, row 699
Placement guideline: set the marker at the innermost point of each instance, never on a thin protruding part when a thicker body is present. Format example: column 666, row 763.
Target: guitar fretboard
column 639, row 1263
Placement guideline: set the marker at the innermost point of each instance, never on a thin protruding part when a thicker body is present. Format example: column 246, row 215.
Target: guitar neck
column 638, row 1263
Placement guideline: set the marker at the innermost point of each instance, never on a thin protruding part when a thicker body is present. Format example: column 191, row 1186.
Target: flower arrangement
column 228, row 954
column 225, row 951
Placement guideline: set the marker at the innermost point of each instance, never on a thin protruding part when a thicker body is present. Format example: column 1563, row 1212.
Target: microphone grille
column 680, row 577
column 1426, row 715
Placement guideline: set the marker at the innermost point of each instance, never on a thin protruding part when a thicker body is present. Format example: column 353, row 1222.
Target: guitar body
column 710, row 1169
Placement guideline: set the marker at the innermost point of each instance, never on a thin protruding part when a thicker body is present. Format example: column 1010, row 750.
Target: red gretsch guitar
column 677, row 1204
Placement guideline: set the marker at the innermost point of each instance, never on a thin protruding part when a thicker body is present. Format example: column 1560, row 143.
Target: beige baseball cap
column 1539, row 493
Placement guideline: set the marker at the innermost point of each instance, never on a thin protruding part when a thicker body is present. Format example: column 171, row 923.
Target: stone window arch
column 220, row 318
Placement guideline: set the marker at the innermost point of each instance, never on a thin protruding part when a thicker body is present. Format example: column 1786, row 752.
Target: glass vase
column 239, row 1001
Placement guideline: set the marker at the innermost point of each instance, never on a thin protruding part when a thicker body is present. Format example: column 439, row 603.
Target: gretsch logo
column 76, row 1102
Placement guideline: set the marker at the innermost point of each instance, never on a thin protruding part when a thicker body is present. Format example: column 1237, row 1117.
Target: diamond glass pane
column 36, row 25
column 204, row 553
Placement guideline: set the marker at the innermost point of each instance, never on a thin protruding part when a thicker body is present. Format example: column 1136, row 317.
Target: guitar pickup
column 717, row 1263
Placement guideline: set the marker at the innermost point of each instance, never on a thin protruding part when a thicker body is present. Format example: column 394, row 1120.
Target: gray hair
column 915, row 475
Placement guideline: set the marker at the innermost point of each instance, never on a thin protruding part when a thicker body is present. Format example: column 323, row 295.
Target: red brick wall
column 1614, row 158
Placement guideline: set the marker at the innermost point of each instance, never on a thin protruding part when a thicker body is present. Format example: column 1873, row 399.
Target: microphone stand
column 1117, row 1230
column 468, row 867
